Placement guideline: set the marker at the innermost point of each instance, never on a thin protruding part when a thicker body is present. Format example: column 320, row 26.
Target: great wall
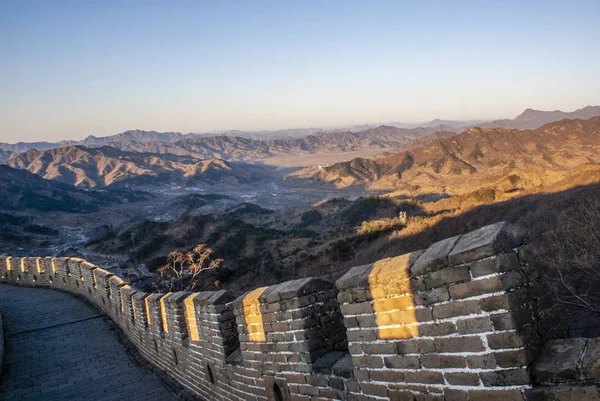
column 461, row 320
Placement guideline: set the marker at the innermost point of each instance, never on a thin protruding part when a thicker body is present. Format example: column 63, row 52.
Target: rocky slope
column 477, row 156
column 104, row 166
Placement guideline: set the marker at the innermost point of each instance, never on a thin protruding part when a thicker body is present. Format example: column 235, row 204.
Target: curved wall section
column 454, row 322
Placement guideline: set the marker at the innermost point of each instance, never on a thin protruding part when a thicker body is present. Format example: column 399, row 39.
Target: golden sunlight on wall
column 393, row 299
column 253, row 316
column 163, row 312
column 190, row 315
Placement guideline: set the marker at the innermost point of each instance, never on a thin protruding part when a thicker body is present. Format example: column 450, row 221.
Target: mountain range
column 105, row 166
column 261, row 144
column 507, row 158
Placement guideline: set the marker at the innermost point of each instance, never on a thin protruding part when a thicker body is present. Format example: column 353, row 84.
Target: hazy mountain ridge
column 245, row 149
column 532, row 119
column 475, row 154
column 104, row 166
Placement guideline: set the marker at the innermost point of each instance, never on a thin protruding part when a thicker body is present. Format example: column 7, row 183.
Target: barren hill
column 476, row 156
column 104, row 166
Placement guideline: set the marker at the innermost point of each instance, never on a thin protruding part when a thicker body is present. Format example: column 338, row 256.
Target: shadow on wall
column 461, row 314
column 455, row 321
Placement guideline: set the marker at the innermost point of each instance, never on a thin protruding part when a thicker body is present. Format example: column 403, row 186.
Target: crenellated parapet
column 457, row 321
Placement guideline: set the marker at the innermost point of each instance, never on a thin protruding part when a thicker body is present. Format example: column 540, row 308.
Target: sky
column 69, row 69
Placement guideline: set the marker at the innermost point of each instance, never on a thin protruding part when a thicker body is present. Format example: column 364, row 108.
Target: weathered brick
column 486, row 361
column 432, row 296
column 487, row 241
column 495, row 264
column 401, row 362
column 488, row 285
column 446, row 276
column 425, row 377
column 474, row 325
column 459, row 344
column 379, row 390
column 434, row 258
column 462, row 378
column 453, row 309
column 512, row 320
column 497, row 395
column 512, row 377
column 443, row 361
column 437, row 329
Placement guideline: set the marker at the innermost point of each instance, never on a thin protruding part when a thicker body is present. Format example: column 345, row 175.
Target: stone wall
column 454, row 322
column 1, row 345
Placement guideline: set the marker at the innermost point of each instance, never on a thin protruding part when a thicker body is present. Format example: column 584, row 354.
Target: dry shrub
column 381, row 225
column 571, row 253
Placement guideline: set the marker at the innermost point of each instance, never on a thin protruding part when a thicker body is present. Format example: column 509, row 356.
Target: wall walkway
column 59, row 348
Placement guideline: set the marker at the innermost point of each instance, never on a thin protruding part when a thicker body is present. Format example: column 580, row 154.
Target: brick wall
column 454, row 322
column 1, row 344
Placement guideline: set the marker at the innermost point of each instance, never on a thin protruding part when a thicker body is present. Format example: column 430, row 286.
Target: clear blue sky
column 69, row 69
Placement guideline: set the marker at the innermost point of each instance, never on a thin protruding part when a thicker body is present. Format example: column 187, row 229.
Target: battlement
column 456, row 320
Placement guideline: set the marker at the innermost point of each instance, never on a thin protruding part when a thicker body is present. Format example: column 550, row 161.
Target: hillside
column 463, row 162
column 21, row 190
column 532, row 119
column 104, row 166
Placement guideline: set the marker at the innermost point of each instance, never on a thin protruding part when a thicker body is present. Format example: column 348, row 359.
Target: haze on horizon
column 76, row 68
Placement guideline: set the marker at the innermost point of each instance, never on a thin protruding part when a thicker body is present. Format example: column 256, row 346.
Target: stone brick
column 590, row 363
column 497, row 395
column 425, row 377
column 431, row 297
column 401, row 362
column 446, row 276
column 379, row 390
column 462, row 378
column 369, row 362
column 495, row 264
column 488, row 285
column 400, row 395
column 507, row 301
column 514, row 319
column 559, row 360
column 513, row 377
column 515, row 358
column 434, row 258
column 455, row 395
column 459, row 344
column 487, row 241
column 453, row 309
column 564, row 393
column 443, row 361
column 474, row 325
column 511, row 339
column 437, row 329
column 485, row 361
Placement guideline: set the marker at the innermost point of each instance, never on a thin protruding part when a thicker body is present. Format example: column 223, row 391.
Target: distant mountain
column 475, row 156
column 21, row 190
column 531, row 119
column 5, row 154
column 154, row 136
column 244, row 149
column 105, row 166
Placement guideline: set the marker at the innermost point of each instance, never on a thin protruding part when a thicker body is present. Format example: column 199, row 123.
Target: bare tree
column 182, row 269
column 574, row 256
